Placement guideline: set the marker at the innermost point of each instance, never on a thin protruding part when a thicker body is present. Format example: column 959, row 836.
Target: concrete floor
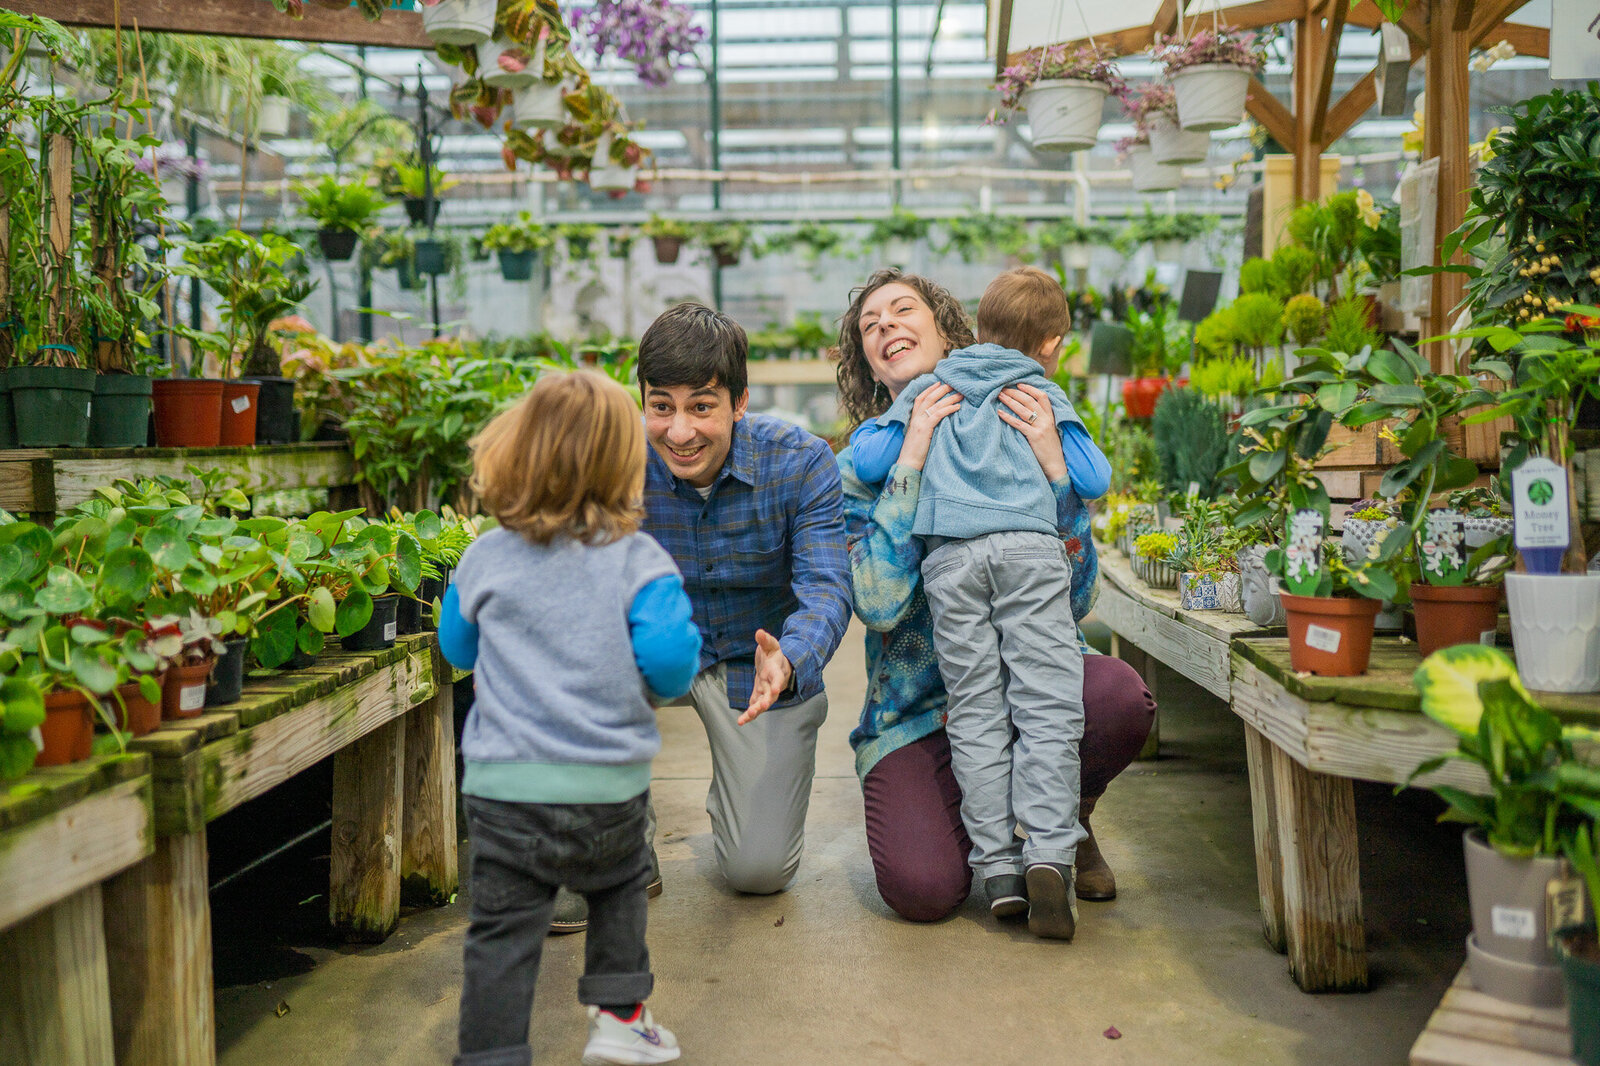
column 825, row 973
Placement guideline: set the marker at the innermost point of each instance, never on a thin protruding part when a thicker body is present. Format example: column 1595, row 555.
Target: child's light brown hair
column 1022, row 309
column 568, row 459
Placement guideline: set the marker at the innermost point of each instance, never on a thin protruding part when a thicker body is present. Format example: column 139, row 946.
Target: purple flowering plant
column 1148, row 101
column 1083, row 62
column 1223, row 44
column 656, row 36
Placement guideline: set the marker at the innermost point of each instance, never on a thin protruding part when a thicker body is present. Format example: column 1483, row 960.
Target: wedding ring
column 1032, row 417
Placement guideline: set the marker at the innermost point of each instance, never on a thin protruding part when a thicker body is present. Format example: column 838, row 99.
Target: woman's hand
column 1028, row 409
column 936, row 403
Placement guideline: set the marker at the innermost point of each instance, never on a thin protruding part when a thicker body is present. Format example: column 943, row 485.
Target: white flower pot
column 1150, row 176
column 539, row 107
column 1064, row 113
column 1076, row 256
column 1555, row 628
column 491, row 73
column 1153, row 572
column 272, row 120
column 1210, row 96
column 1480, row 531
column 1167, row 251
column 1171, row 143
column 460, row 21
column 604, row 176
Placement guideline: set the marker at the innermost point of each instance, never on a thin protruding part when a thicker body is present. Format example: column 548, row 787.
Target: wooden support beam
column 1311, row 48
column 1264, row 820
column 1350, row 107
column 1166, row 20
column 1124, row 42
column 429, row 872
column 1272, row 114
column 1482, row 18
column 1329, row 30
column 55, row 1000
column 1527, row 40
column 1447, row 136
column 1462, row 19
column 1002, row 38
column 364, row 875
column 235, row 18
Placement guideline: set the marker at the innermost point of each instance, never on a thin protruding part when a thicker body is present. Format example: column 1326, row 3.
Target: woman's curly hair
column 859, row 393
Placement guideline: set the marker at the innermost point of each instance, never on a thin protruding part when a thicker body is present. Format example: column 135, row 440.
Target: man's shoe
column 572, row 910
column 639, row 1040
column 1007, row 894
column 1094, row 878
column 1052, row 909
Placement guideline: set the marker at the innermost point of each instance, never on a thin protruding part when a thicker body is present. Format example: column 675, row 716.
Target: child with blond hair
column 573, row 621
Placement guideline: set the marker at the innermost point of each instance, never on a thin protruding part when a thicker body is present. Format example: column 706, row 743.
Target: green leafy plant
column 899, row 224
column 257, row 286
column 1258, row 323
column 1157, row 545
column 1303, row 318
column 412, row 180
column 977, row 236
column 579, row 238
column 1294, row 268
column 522, row 235
column 1348, row 328
column 333, row 204
column 1191, row 441
column 670, row 228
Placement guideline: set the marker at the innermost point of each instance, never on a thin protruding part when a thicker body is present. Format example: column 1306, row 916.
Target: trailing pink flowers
column 1225, row 44
column 1084, row 62
column 656, row 36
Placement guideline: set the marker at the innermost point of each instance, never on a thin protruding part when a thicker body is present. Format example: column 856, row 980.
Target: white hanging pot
column 539, row 107
column 459, row 21
column 272, row 120
column 1555, row 628
column 1167, row 251
column 1076, row 256
column 1171, row 143
column 604, row 175
column 1064, row 113
column 491, row 73
column 1150, row 176
column 1210, row 96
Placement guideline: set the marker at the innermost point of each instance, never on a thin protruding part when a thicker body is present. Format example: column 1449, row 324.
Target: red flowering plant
column 1222, row 44
column 1151, row 99
column 1084, row 63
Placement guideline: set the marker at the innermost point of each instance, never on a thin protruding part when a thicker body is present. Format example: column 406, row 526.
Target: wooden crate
column 1469, row 1028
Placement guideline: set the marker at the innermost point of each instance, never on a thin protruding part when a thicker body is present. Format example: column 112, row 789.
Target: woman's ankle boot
column 1095, row 881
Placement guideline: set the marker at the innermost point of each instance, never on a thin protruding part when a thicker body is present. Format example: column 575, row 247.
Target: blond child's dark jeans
column 521, row 853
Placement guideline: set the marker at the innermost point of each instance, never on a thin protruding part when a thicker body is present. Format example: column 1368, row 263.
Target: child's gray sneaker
column 1052, row 907
column 636, row 1042
column 1007, row 895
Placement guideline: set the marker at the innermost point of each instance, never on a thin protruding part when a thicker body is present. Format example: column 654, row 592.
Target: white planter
column 491, row 73
column 1210, row 96
column 539, row 107
column 1064, row 113
column 1076, row 256
column 1555, row 628
column 1171, row 143
column 272, row 120
column 1480, row 531
column 1153, row 572
column 1167, row 251
column 460, row 21
column 604, row 175
column 1150, row 176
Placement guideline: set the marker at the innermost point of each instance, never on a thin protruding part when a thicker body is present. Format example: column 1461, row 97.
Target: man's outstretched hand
column 773, row 672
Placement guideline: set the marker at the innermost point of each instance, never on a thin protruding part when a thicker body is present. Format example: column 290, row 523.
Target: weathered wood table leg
column 1264, row 818
column 55, row 1003
column 428, row 863
column 364, row 889
column 158, row 939
column 1327, row 941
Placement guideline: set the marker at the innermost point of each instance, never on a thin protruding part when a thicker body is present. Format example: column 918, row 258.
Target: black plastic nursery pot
column 406, row 275
column 337, row 243
column 120, row 417
column 227, row 680
column 381, row 628
column 1583, row 1006
column 415, row 615
column 516, row 266
column 275, row 421
column 421, row 212
column 430, row 257
column 299, row 660
column 52, row 405
column 8, row 422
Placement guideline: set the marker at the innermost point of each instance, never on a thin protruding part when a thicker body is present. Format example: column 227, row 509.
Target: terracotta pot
column 667, row 248
column 188, row 412
column 1330, row 635
column 1139, row 395
column 68, row 728
column 183, row 695
column 1450, row 615
column 135, row 714
column 239, row 413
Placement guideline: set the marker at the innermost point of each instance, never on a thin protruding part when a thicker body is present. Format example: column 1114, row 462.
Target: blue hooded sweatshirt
column 981, row 475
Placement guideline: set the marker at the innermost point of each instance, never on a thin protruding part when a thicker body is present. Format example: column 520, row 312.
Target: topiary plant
column 1259, row 275
column 1348, row 330
column 1303, row 318
column 1258, row 321
column 1295, row 267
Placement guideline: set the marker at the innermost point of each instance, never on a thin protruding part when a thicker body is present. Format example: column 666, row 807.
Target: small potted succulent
column 1154, row 109
column 1210, row 73
column 1151, row 552
column 1063, row 89
column 1208, row 575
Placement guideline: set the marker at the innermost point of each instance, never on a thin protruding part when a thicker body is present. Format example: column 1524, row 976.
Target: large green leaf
column 1264, row 466
column 311, row 640
column 168, row 547
column 354, row 612
column 93, row 672
column 64, row 592
column 273, row 643
column 321, row 611
column 24, row 707
column 408, row 561
column 1389, row 368
column 16, row 756
column 126, row 573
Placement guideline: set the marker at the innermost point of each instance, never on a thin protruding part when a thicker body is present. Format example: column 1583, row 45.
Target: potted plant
column 343, row 212
column 1258, row 324
column 1063, row 89
column 507, row 63
column 1538, row 794
column 1208, row 574
column 458, row 22
column 1146, row 174
column 726, row 240
column 419, row 188
column 579, row 238
column 1210, row 75
column 979, row 236
column 1075, row 243
column 1154, row 109
column 668, row 235
column 658, row 37
column 517, row 244
column 1151, row 552
column 1151, row 350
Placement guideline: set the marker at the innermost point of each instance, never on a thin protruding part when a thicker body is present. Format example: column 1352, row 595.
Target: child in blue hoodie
column 572, row 621
column 999, row 584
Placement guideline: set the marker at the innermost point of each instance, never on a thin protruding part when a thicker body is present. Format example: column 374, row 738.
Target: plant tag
column 1539, row 496
column 1566, row 904
column 1487, row 637
column 390, row 629
column 1322, row 638
column 191, row 697
column 88, row 409
column 240, row 404
column 1194, row 490
column 1514, row 923
column 1302, row 554
column 1444, row 542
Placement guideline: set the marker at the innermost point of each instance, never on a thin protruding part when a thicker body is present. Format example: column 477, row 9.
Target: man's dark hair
column 691, row 344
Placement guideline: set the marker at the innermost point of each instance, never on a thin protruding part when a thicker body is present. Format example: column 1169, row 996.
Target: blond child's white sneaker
column 614, row 1042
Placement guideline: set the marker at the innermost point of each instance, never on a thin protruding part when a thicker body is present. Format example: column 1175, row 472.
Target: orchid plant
column 1221, row 44
column 1084, row 63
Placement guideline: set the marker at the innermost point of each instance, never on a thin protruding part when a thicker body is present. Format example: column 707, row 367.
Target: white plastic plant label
column 1322, row 638
column 1516, row 923
column 1487, row 637
column 390, row 629
column 1539, row 497
column 240, row 404
column 191, row 697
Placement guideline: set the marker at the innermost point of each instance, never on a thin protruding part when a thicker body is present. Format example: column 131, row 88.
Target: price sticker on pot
column 191, row 697
column 240, row 404
column 1515, row 923
column 390, row 629
column 1539, row 495
column 1322, row 638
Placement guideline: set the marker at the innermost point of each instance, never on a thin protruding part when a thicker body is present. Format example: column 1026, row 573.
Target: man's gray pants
column 760, row 783
column 1008, row 652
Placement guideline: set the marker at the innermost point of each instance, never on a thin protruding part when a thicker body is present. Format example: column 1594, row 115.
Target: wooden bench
column 1469, row 1028
column 387, row 719
column 63, row 831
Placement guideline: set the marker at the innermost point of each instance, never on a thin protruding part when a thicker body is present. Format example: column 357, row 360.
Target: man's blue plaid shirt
column 765, row 551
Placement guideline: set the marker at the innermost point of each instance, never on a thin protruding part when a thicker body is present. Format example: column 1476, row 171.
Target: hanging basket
column 1171, row 143
column 460, row 22
column 491, row 73
column 604, row 175
column 1150, row 176
column 1210, row 96
column 516, row 266
column 272, row 120
column 539, row 107
column 1064, row 113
